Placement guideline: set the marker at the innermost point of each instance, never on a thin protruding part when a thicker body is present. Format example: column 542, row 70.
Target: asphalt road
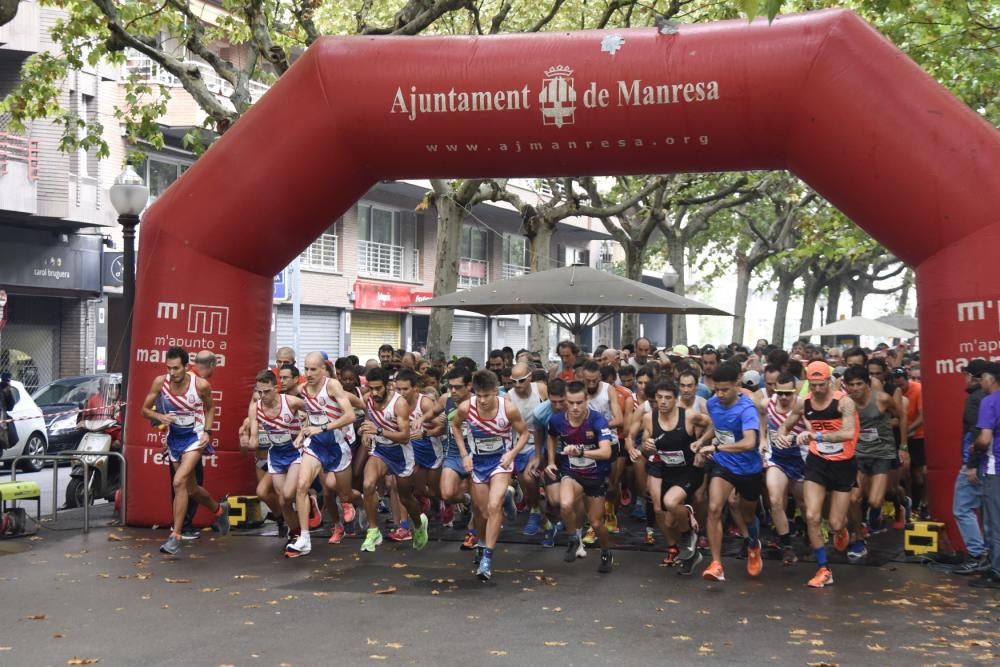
column 237, row 601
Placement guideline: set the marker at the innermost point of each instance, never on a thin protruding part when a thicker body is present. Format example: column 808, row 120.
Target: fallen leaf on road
column 372, row 642
column 743, row 621
column 498, row 653
column 377, row 657
column 798, row 631
column 176, row 581
column 773, row 618
column 822, row 664
column 394, row 645
column 114, row 538
column 410, row 575
column 57, row 636
column 210, row 590
column 681, row 638
column 589, row 643
column 817, row 651
column 6, row 648
column 435, row 592
column 143, row 575
column 705, row 648
column 901, row 602
column 245, row 576
column 386, row 591
column 876, row 648
column 37, row 617
column 399, row 566
column 555, row 643
column 320, row 594
column 82, row 661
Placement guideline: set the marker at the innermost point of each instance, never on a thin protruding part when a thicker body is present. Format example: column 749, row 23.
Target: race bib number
column 318, row 419
column 279, row 438
column 725, row 438
column 488, row 445
column 868, row 435
column 580, row 463
column 672, row 458
column 829, row 448
column 183, row 420
column 263, row 440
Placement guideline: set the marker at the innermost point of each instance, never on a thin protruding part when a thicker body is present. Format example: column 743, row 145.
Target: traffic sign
column 281, row 286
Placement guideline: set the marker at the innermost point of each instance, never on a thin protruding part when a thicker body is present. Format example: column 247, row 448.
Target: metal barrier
column 80, row 456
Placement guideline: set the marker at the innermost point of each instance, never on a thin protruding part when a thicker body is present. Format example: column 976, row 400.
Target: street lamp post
column 128, row 195
column 822, row 314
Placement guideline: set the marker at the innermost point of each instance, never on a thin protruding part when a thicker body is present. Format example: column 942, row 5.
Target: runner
column 387, row 434
column 579, row 453
column 325, row 446
column 626, row 403
column 671, row 438
column 602, row 398
column 188, row 411
column 527, row 396
column 912, row 391
column 875, row 453
column 273, row 427
column 784, row 464
column 489, row 458
column 735, row 465
column 542, row 417
column 428, row 454
column 689, row 398
column 288, row 380
column 830, row 467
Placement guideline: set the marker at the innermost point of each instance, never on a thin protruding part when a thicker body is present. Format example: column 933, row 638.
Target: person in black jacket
column 968, row 502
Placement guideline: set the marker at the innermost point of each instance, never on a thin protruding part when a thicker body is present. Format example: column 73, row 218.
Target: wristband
column 207, row 430
column 819, row 438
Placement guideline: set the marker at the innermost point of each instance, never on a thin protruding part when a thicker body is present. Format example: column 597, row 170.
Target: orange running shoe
column 841, row 539
column 348, row 510
column 470, row 541
column 337, row 536
column 714, row 572
column 823, row 578
column 754, row 562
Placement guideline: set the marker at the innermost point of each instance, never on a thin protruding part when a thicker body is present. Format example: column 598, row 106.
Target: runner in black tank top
column 673, row 477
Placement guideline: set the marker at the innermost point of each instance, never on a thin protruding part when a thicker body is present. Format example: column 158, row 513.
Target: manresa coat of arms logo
column 557, row 98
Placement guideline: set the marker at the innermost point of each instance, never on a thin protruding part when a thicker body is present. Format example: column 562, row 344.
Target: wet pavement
column 111, row 596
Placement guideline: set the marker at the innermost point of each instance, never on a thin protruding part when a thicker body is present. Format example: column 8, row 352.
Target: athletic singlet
column 875, row 439
column 488, row 437
column 416, row 417
column 699, row 407
column 623, row 395
column 383, row 418
column 186, row 407
column 673, row 447
column 601, row 404
column 526, row 406
column 829, row 420
column 322, row 409
column 775, row 418
column 278, row 431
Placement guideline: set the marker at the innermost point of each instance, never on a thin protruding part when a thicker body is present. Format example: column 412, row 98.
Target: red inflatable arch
column 821, row 94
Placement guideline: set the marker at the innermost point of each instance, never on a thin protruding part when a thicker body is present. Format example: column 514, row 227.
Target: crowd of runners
column 695, row 442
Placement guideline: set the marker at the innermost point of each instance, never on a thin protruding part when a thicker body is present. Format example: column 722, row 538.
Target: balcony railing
column 513, row 271
column 147, row 70
column 321, row 255
column 19, row 149
column 381, row 260
column 473, row 272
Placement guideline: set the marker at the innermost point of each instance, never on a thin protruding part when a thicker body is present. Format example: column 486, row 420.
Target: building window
column 160, row 174
column 516, row 261
column 321, row 255
column 473, row 266
column 387, row 243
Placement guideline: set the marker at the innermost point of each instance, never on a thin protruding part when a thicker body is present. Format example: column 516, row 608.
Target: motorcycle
column 103, row 434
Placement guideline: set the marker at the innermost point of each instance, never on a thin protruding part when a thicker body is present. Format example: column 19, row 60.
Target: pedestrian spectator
column 988, row 444
column 968, row 502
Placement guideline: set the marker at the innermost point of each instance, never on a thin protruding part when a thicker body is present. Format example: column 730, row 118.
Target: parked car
column 62, row 400
column 31, row 433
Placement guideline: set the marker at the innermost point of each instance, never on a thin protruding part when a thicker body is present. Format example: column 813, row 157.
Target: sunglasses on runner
column 784, row 391
column 526, row 378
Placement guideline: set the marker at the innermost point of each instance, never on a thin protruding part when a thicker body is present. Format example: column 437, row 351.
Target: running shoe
column 590, row 537
column 671, row 558
column 400, row 535
column 373, row 538
column 639, row 511
column 572, row 549
column 470, row 541
column 703, row 542
column 974, row 565
column 650, row 537
column 754, row 562
column 907, row 510
column 300, row 547
column 823, row 578
column 714, row 572
column 190, row 534
column 533, row 524
column 692, row 519
column 689, row 544
column 420, row 534
column 172, row 545
column 581, row 551
column 337, row 535
column 478, row 558
column 626, row 497
column 351, row 529
column 687, row 566
column 221, row 522
column 315, row 515
column 549, row 536
column 923, row 512
column 383, row 507
column 841, row 539
column 610, row 517
column 857, row 551
column 509, row 508
column 348, row 512
column 447, row 515
column 607, row 559
column 788, row 556
column 363, row 519
column 485, row 570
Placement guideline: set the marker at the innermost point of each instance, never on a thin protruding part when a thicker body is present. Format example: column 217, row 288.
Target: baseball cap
column 818, row 370
column 680, row 350
column 751, row 379
column 900, row 372
column 976, row 367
